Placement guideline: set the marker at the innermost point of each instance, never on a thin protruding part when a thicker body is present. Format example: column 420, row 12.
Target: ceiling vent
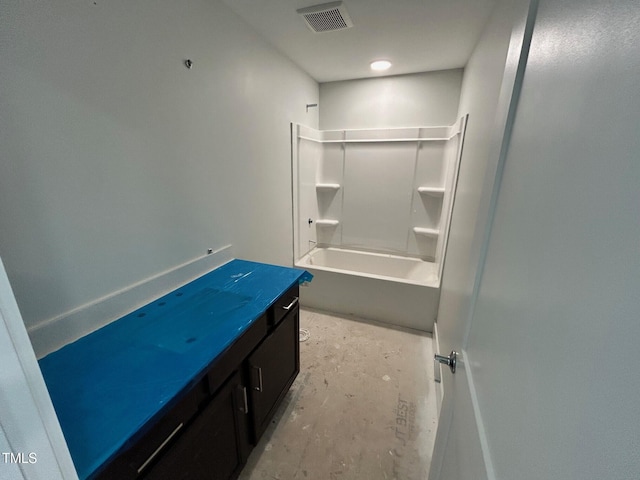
column 326, row 17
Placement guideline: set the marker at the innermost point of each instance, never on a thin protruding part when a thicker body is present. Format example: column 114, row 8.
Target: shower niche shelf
column 432, row 191
column 426, row 232
column 327, row 187
column 327, row 223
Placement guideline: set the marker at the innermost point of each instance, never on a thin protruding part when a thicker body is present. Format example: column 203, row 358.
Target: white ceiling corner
column 416, row 35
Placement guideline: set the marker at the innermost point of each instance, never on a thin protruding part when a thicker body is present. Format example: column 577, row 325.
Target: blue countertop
column 107, row 385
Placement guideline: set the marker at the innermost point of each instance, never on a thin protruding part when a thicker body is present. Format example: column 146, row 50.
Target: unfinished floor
column 362, row 407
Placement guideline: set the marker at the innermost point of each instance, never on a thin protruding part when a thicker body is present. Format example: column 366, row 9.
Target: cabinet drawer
column 287, row 302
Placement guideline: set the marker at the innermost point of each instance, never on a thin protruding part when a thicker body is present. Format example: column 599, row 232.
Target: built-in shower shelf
column 380, row 135
column 432, row 191
column 327, row 186
column 327, row 223
column 427, row 232
column 383, row 140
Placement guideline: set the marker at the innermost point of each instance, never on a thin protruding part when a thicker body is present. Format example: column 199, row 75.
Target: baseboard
column 53, row 334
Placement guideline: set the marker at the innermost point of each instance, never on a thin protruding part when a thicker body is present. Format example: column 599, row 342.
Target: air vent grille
column 326, row 17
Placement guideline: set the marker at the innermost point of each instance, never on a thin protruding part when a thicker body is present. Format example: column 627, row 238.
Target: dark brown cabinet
column 215, row 445
column 210, row 431
column 272, row 367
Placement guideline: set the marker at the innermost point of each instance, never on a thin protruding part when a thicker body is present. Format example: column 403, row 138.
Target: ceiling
column 416, row 35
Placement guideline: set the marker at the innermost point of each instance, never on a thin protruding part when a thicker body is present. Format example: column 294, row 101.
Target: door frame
column 28, row 423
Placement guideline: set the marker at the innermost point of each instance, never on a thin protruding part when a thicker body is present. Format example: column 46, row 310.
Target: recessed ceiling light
column 380, row 65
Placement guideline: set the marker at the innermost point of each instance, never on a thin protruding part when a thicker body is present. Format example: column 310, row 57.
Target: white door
column 548, row 382
column 32, row 446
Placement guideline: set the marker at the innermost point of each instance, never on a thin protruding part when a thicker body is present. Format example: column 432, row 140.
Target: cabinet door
column 272, row 367
column 141, row 454
column 214, row 446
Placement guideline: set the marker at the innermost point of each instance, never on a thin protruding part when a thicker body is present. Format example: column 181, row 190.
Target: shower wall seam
column 414, row 186
column 344, row 186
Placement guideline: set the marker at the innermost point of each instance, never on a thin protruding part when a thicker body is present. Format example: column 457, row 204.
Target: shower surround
column 371, row 217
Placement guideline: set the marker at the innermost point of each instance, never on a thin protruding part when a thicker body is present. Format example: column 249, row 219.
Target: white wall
column 429, row 98
column 479, row 98
column 118, row 163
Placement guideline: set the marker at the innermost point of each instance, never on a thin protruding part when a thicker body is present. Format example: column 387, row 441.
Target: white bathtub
column 397, row 290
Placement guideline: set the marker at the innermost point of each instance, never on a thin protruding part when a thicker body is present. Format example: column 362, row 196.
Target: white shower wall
column 378, row 181
column 384, row 190
column 307, row 198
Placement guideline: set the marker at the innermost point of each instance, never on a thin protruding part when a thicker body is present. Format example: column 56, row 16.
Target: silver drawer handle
column 259, row 387
column 246, row 403
column 291, row 305
column 162, row 445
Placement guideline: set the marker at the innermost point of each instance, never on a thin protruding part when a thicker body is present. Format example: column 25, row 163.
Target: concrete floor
column 362, row 407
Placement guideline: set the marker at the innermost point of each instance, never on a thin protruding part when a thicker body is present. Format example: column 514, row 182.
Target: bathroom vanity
column 183, row 387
